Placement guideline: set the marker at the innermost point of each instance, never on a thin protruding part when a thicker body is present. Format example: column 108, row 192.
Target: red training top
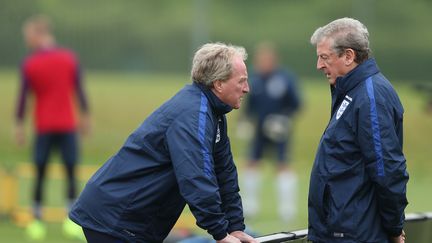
column 53, row 77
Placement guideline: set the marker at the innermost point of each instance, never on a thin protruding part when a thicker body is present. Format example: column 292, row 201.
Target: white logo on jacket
column 343, row 106
column 218, row 137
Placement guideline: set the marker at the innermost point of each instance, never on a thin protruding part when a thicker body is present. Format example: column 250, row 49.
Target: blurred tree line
column 161, row 35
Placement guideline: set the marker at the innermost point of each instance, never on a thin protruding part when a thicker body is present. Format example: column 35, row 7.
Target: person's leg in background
column 69, row 148
column 287, row 183
column 41, row 151
column 252, row 177
column 68, row 143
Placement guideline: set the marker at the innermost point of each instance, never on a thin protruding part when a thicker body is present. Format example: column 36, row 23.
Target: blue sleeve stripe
column 202, row 120
column 375, row 127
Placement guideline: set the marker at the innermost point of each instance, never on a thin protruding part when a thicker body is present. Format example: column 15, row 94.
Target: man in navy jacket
column 179, row 155
column 272, row 105
column 358, row 181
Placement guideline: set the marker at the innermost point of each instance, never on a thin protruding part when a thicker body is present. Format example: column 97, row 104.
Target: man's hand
column 400, row 239
column 243, row 237
column 85, row 125
column 20, row 134
column 229, row 239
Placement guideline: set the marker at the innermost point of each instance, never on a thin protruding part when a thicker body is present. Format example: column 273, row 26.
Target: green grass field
column 120, row 102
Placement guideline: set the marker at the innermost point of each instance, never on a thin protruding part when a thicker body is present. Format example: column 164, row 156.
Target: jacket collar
column 351, row 80
column 355, row 76
column 219, row 107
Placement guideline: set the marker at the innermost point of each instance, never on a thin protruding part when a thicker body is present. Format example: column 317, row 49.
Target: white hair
column 345, row 33
column 213, row 61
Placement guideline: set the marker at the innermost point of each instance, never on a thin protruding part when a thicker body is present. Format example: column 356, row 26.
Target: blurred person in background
column 179, row 155
column 51, row 75
column 357, row 189
column 272, row 104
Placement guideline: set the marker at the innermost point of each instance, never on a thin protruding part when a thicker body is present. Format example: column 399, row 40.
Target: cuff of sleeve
column 395, row 232
column 219, row 236
column 236, row 227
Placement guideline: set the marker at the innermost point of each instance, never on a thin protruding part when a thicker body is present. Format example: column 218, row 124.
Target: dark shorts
column 66, row 143
column 261, row 142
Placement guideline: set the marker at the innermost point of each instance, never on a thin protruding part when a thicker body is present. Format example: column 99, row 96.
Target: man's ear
column 349, row 56
column 217, row 85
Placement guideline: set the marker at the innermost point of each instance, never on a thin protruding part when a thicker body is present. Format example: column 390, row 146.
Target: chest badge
column 218, row 136
column 343, row 106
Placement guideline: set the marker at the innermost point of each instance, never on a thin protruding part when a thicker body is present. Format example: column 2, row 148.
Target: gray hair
column 345, row 33
column 213, row 61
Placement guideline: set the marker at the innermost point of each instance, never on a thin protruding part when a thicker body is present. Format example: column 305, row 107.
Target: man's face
column 31, row 36
column 231, row 91
column 329, row 62
column 265, row 61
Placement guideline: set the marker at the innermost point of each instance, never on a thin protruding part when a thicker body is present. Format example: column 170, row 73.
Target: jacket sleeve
column 190, row 144
column 380, row 138
column 226, row 173
column 82, row 99
column 22, row 96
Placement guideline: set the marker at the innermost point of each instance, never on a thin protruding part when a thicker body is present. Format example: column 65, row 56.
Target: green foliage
column 145, row 35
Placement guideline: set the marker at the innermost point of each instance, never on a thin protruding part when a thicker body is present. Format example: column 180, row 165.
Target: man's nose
column 320, row 64
column 246, row 88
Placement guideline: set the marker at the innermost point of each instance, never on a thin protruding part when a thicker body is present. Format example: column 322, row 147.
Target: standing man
column 272, row 104
column 51, row 74
column 358, row 181
column 179, row 155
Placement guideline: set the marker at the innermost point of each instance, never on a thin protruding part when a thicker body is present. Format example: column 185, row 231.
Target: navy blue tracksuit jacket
column 273, row 93
column 358, row 182
column 179, row 155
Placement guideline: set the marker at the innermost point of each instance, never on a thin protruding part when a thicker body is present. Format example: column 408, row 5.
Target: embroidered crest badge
column 218, row 136
column 343, row 106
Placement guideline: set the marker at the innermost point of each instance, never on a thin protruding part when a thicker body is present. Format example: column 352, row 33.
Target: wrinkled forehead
column 325, row 46
column 238, row 63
